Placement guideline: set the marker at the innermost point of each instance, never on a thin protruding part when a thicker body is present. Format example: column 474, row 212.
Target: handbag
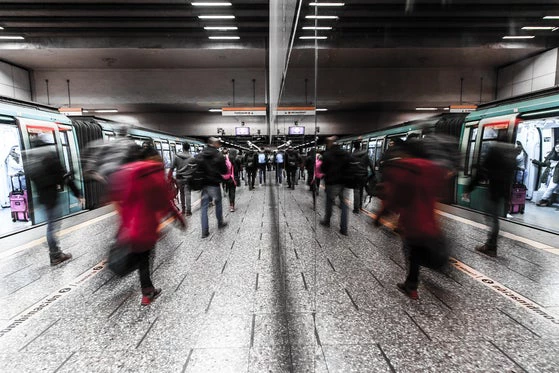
column 121, row 262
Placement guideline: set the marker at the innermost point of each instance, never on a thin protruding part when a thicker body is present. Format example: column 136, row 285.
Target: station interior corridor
column 274, row 291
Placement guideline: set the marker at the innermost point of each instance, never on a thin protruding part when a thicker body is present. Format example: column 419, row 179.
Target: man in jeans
column 180, row 163
column 213, row 164
column 334, row 163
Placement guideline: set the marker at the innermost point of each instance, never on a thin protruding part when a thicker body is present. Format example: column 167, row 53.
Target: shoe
column 355, row 211
column 188, row 213
column 487, row 250
column 412, row 293
column 148, row 298
column 205, row 234
column 231, row 209
column 543, row 203
column 343, row 232
column 324, row 223
column 223, row 224
column 60, row 258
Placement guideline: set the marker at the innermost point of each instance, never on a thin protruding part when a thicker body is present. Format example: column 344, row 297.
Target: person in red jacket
column 143, row 197
column 411, row 188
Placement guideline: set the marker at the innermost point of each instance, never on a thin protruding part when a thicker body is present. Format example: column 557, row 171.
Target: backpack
column 356, row 172
column 195, row 174
column 291, row 160
column 250, row 160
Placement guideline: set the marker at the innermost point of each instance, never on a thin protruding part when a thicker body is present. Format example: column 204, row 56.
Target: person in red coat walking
column 411, row 186
column 143, row 197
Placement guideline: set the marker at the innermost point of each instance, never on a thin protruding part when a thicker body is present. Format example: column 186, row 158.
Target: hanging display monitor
column 242, row 131
column 298, row 130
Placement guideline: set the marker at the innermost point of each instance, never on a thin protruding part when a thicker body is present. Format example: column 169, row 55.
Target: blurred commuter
column 143, row 198
column 363, row 171
column 334, row 162
column 278, row 164
column 180, row 163
column 410, row 188
column 251, row 164
column 45, row 169
column 498, row 169
column 213, row 165
column 392, row 151
column 550, row 177
column 229, row 178
column 262, row 168
column 291, row 165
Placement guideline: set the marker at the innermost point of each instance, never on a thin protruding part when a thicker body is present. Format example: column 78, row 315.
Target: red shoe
column 150, row 297
column 409, row 292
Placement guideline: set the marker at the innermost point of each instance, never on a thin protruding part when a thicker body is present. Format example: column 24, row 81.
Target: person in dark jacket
column 251, row 164
column 367, row 164
column 180, row 163
column 45, row 169
column 498, row 169
column 213, row 164
column 334, row 163
column 291, row 165
column 551, row 173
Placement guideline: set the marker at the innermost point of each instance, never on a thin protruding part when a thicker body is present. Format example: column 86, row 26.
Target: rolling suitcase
column 18, row 201
column 517, row 198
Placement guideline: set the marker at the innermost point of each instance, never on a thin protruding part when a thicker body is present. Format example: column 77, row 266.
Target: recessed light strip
column 198, row 3
column 551, row 17
column 1, row 28
column 538, row 28
column 221, row 28
column 215, row 110
column 321, row 17
column 519, row 37
column 217, row 17
column 426, row 108
column 313, row 37
column 11, row 38
column 326, row 4
column 224, row 37
column 317, row 28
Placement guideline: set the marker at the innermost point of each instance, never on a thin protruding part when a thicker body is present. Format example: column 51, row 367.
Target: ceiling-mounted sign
column 244, row 111
column 296, row 110
column 68, row 111
column 462, row 108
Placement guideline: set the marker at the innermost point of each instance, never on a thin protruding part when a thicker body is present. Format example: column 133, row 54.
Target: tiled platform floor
column 276, row 292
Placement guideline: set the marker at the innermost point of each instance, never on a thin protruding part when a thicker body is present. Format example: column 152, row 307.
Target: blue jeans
column 53, row 226
column 333, row 191
column 262, row 174
column 279, row 172
column 211, row 192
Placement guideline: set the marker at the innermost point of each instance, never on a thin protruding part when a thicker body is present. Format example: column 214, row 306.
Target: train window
column 166, row 155
column 470, row 149
column 157, row 145
column 66, row 151
column 372, row 149
column 491, row 134
column 378, row 152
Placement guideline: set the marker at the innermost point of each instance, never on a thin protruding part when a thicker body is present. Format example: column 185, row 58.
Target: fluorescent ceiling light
column 1, row 28
column 105, row 111
column 216, row 17
column 11, row 37
column 317, row 28
column 313, row 37
column 215, row 110
column 221, row 28
column 426, row 108
column 551, row 17
column 321, row 109
column 211, row 4
column 519, row 37
column 321, row 17
column 224, row 37
column 538, row 28
column 326, row 4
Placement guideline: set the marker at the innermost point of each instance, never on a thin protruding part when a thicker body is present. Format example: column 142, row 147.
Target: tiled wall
column 14, row 82
column 528, row 75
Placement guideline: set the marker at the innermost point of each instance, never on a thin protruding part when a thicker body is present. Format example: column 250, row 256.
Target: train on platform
column 530, row 122
column 22, row 121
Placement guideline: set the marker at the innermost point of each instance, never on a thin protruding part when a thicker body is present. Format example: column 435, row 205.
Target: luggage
column 517, row 198
column 18, row 201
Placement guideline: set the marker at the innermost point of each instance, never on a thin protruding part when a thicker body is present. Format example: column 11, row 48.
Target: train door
column 71, row 163
column 49, row 133
column 166, row 154
column 371, row 147
column 477, row 138
column 13, row 184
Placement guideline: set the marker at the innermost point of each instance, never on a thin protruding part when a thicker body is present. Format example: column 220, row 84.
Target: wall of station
column 14, row 82
column 529, row 75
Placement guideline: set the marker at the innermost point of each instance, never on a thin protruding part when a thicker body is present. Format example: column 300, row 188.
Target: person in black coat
column 551, row 173
column 251, row 165
column 291, row 165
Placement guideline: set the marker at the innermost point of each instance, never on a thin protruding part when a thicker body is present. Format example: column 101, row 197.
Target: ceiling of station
column 66, row 34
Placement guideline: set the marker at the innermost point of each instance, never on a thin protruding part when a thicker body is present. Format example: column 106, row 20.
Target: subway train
column 531, row 122
column 22, row 121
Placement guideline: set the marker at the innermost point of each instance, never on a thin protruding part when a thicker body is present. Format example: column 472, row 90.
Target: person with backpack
column 278, row 163
column 497, row 167
column 229, row 179
column 360, row 168
column 183, row 173
column 211, row 165
column 334, row 162
column 44, row 168
column 291, row 166
column 251, row 162
column 262, row 167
